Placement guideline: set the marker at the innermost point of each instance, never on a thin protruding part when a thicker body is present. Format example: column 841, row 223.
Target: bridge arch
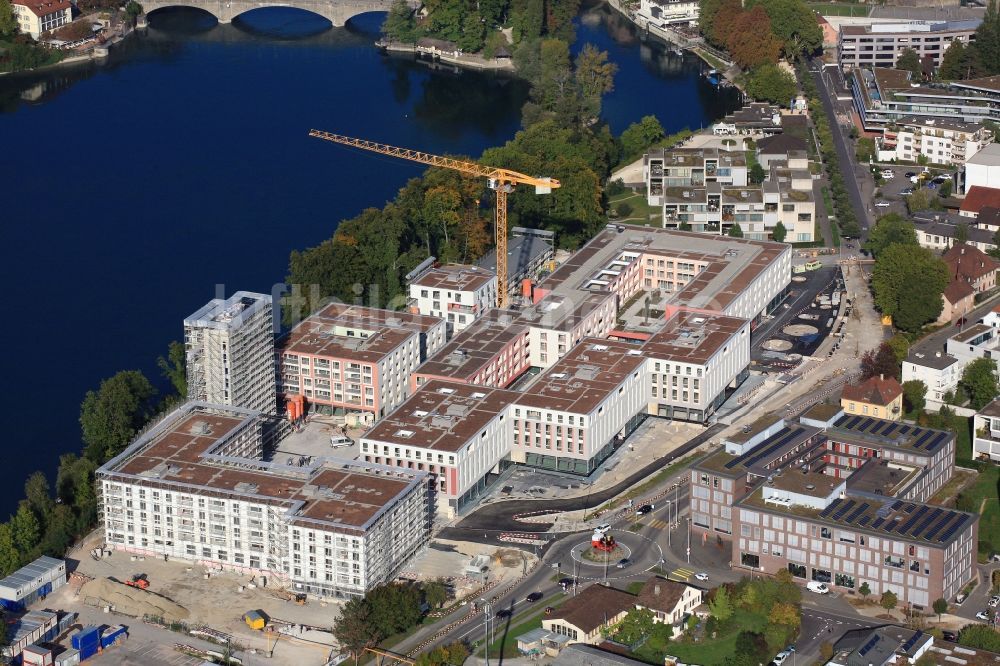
column 337, row 12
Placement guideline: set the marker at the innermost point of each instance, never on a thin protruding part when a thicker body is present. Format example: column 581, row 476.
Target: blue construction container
column 87, row 637
column 88, row 651
column 112, row 634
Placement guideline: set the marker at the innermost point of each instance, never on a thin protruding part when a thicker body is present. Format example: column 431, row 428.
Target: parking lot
column 896, row 188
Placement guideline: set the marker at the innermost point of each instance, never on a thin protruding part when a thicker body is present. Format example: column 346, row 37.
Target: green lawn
column 707, row 652
column 839, row 8
column 641, row 210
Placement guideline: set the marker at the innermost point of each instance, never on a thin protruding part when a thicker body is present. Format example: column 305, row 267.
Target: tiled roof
column 660, row 594
column 42, row 8
column 958, row 290
column 968, row 262
column 593, row 607
column 874, row 391
column 979, row 197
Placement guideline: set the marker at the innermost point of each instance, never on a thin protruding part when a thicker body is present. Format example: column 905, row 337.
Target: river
column 134, row 187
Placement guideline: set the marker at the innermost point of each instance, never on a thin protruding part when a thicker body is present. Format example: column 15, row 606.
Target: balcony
column 459, row 307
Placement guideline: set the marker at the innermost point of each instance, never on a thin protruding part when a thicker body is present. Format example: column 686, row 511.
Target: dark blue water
column 133, row 188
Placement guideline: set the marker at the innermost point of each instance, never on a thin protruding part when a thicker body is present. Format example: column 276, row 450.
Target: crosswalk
column 658, row 524
column 681, row 574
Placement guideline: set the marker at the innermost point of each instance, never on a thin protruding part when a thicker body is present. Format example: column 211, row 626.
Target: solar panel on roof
column 912, row 641
column 923, row 438
column 872, row 642
column 913, row 519
column 857, row 512
column 909, row 508
column 891, row 429
column 891, row 525
column 853, row 422
column 833, row 505
column 903, row 429
column 934, row 515
column 758, row 455
column 899, row 503
column 867, row 424
column 844, row 509
column 878, row 521
column 864, row 520
column 937, row 441
column 954, row 528
column 878, row 427
column 947, row 518
column 842, row 420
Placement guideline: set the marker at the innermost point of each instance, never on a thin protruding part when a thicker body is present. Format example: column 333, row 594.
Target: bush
column 624, row 209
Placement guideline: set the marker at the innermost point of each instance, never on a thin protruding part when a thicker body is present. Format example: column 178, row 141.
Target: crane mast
column 501, row 181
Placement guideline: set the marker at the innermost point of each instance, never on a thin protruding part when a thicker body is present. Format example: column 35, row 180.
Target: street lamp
column 487, row 610
column 689, row 541
column 669, row 524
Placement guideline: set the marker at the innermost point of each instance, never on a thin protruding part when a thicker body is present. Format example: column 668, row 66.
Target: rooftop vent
column 405, row 434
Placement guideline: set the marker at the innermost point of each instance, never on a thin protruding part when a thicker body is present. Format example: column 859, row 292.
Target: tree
column 908, row 282
column 25, row 530
column 641, row 135
column 891, row 229
column 595, row 77
column 736, row 231
column 750, row 41
column 864, row 590
column 132, row 11
column 721, row 606
column 751, row 643
column 38, row 495
column 10, row 557
column 353, row 627
column 888, row 600
column 987, row 43
column 794, row 24
column 692, row 622
column 944, row 192
column 940, row 606
column 865, row 150
column 914, row 396
column 174, row 368
column 527, row 18
column 779, row 232
column 900, row 346
column 472, row 37
column 879, row 361
column 435, row 593
column 111, row 416
column 955, row 63
column 757, row 174
column 981, row 636
column 8, row 22
column 394, row 608
column 979, row 381
column 399, row 23
column 909, row 60
column 786, row 614
column 768, row 82
column 634, row 627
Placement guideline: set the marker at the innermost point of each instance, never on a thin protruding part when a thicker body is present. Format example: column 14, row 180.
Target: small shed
column 255, row 619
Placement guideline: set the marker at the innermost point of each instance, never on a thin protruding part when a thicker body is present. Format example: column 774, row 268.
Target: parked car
column 911, row 174
column 888, row 174
column 780, row 658
column 702, row 576
column 914, row 179
column 983, row 615
column 992, row 603
column 603, row 527
column 961, row 598
column 624, row 562
column 338, row 441
column 945, row 176
column 938, row 181
column 503, row 613
column 882, row 204
column 949, row 636
column 533, row 597
column 906, row 191
column 817, row 587
column 644, row 509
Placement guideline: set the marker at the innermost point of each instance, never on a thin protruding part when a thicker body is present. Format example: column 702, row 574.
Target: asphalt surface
column 845, row 156
column 485, row 523
column 936, row 341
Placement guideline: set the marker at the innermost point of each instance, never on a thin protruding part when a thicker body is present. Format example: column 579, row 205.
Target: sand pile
column 133, row 601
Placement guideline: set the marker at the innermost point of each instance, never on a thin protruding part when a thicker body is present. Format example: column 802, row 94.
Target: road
column 936, row 341
column 845, row 156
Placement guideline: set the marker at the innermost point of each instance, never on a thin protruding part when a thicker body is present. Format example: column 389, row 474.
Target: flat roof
column 933, row 360
column 692, row 337
column 29, row 573
column 757, row 459
column 475, row 346
column 696, row 157
column 187, row 449
column 354, row 332
column 748, row 432
column 814, row 484
column 988, row 156
column 972, row 332
column 442, row 416
column 229, row 313
column 580, row 381
column 522, row 252
column 455, row 277
column 882, row 477
column 898, row 519
column 913, row 438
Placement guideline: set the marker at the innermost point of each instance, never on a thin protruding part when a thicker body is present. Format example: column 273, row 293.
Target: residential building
column 35, row 17
column 459, row 434
column 694, row 362
column 983, row 168
column 938, row 230
column 194, row 487
column 883, row 96
column 581, row 618
column 986, row 433
column 671, row 602
column 979, row 198
column 492, row 351
column 667, row 12
column 881, row 397
column 938, row 141
column 783, row 148
column 881, row 44
column 968, row 264
column 458, row 294
column 708, row 191
column 355, row 358
column 958, row 300
column 230, row 352
column 529, row 254
column 938, row 371
column 838, row 498
column 753, row 118
column 581, row 410
column 880, row 646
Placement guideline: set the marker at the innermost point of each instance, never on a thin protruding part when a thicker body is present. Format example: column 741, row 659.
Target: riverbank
column 98, row 52
column 470, row 61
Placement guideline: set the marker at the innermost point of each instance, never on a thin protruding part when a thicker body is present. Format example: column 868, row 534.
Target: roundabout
column 593, row 562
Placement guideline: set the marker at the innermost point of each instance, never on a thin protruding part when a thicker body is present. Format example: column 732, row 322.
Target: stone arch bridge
column 337, row 12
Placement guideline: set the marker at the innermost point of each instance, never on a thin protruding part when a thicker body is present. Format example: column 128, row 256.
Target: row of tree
column 47, row 522
column 978, row 58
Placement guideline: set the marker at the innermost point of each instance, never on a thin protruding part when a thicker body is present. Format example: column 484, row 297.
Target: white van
column 340, row 441
column 603, row 528
column 817, row 587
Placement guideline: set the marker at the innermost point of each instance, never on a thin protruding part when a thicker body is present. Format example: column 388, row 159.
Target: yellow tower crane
column 502, row 181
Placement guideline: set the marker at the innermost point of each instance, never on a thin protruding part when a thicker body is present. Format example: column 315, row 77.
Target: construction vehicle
column 139, row 580
column 501, row 181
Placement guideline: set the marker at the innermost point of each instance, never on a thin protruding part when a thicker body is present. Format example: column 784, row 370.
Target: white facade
column 230, row 352
column 561, row 323
column 939, row 375
column 666, row 12
column 274, row 520
column 38, row 17
column 986, row 433
column 983, row 168
column 940, row 142
column 458, row 294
